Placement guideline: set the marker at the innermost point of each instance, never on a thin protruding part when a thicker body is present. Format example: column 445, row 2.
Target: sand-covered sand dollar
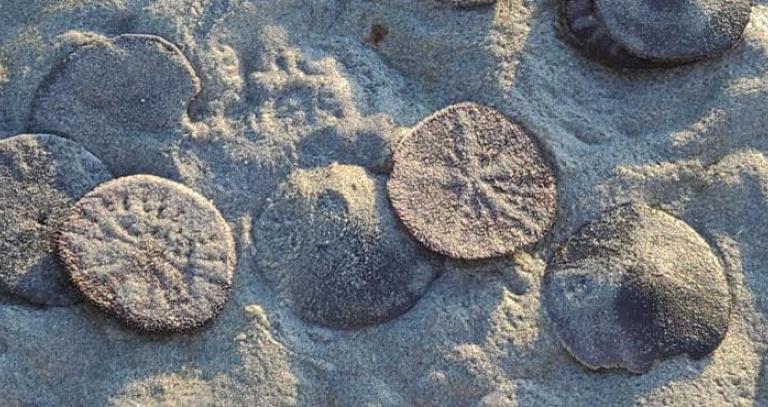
column 118, row 97
column 470, row 183
column 634, row 286
column 41, row 176
column 675, row 30
column 151, row 252
column 335, row 251
column 139, row 81
column 646, row 33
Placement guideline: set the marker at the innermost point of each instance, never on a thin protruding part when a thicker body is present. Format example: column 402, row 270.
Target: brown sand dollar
column 151, row 252
column 647, row 33
column 120, row 98
column 470, row 183
column 41, row 176
column 336, row 253
column 634, row 286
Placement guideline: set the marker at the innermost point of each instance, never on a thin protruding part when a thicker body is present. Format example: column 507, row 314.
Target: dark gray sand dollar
column 151, row 252
column 468, row 3
column 41, row 176
column 117, row 97
column 647, row 33
column 469, row 183
column 333, row 248
column 634, row 286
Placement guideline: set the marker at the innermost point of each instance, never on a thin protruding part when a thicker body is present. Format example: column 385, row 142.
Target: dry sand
column 285, row 83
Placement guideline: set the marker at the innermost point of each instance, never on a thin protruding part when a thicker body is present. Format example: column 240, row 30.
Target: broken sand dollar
column 645, row 33
column 151, row 252
column 118, row 97
column 634, row 286
column 41, row 176
column 335, row 251
column 470, row 183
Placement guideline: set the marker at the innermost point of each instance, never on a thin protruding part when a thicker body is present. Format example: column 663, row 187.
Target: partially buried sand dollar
column 649, row 33
column 470, row 183
column 120, row 98
column 634, row 286
column 335, row 251
column 151, row 252
column 41, row 176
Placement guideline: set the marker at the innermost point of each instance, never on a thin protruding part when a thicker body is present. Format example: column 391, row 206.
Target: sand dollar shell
column 634, row 286
column 118, row 98
column 41, row 176
column 647, row 33
column 335, row 251
column 675, row 30
column 470, row 183
column 151, row 252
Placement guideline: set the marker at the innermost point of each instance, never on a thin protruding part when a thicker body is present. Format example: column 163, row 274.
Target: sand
column 282, row 80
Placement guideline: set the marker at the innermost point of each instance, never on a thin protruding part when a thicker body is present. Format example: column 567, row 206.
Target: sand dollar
column 675, row 30
column 120, row 98
column 634, row 286
column 645, row 33
column 333, row 248
column 151, row 252
column 40, row 177
column 469, row 183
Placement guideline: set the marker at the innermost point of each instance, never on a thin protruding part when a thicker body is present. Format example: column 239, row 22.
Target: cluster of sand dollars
column 632, row 286
column 343, row 247
column 149, row 251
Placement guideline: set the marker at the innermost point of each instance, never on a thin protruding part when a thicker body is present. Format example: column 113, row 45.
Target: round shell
column 151, row 252
column 675, row 30
column 41, row 176
column 469, row 183
column 119, row 98
column 333, row 248
column 635, row 286
column 651, row 33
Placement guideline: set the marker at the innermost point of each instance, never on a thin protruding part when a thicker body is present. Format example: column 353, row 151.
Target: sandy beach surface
column 261, row 97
